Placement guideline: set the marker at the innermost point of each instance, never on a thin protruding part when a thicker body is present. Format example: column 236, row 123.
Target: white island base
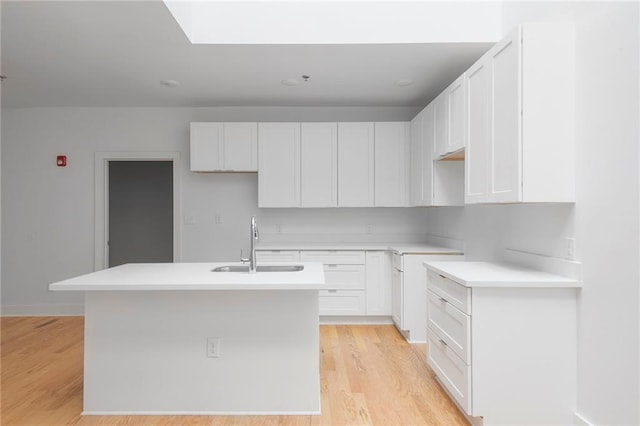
column 146, row 351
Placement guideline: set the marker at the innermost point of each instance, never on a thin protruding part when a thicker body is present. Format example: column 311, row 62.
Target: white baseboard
column 355, row 320
column 578, row 420
column 41, row 310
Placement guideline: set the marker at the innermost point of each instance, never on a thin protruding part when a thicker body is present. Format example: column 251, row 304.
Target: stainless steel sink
column 259, row 268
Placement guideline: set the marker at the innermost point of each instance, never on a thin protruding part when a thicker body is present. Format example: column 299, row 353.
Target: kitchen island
column 176, row 338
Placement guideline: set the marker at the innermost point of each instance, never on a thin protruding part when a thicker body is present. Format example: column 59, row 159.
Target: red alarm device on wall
column 61, row 160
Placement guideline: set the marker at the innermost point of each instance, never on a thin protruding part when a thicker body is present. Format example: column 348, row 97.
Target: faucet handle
column 242, row 258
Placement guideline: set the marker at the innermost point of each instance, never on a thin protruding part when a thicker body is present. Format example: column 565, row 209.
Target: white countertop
column 401, row 248
column 193, row 276
column 498, row 274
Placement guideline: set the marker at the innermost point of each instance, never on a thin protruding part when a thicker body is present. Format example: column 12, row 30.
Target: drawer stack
column 449, row 336
column 346, row 272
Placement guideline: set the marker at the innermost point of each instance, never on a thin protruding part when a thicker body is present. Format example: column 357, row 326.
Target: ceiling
column 115, row 53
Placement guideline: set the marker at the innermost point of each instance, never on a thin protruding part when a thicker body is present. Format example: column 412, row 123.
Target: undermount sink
column 259, row 268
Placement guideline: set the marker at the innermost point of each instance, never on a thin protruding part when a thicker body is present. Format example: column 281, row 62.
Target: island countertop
column 192, row 276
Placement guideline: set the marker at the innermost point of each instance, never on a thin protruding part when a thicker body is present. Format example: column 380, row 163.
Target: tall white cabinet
column 521, row 118
column 319, row 165
column 392, row 164
column 279, row 165
column 356, row 164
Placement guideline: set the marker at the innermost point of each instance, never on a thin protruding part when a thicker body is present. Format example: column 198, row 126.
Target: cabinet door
column 441, row 120
column 378, row 284
column 397, row 298
column 505, row 152
column 279, row 165
column 457, row 118
column 319, row 165
column 417, row 146
column 428, row 153
column 241, row 147
column 206, row 142
column 355, row 164
column 391, row 164
column 478, row 132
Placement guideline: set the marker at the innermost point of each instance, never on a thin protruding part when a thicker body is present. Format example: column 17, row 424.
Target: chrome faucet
column 252, row 255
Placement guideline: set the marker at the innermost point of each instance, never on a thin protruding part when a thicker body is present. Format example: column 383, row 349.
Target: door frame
column 101, row 202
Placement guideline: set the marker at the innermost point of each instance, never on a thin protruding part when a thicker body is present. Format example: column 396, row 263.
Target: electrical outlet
column 570, row 248
column 278, row 228
column 368, row 228
column 218, row 218
column 188, row 220
column 213, row 347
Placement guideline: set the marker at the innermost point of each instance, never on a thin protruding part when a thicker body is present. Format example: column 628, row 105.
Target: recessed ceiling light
column 170, row 83
column 404, row 82
column 290, row 82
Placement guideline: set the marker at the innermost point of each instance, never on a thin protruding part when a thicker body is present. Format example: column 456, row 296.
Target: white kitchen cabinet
column 319, row 165
column 478, row 88
column 428, row 154
column 241, row 147
column 441, row 123
column 378, row 285
column 355, row 164
column 417, row 150
column 409, row 296
column 422, row 155
column 491, row 348
column 529, row 151
column 450, row 119
column 447, row 171
column 225, row 147
column 392, row 144
column 279, row 165
column 266, row 256
column 345, row 271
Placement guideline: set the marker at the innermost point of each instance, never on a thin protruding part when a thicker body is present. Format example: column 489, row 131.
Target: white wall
column 605, row 218
column 48, row 220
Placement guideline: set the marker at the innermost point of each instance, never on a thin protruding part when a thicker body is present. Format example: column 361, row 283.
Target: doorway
column 140, row 212
column 137, row 208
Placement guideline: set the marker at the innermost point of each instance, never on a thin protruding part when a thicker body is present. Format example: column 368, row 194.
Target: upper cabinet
column 450, row 119
column 521, row 118
column 279, row 165
column 392, row 164
column 417, row 149
column 422, row 153
column 224, row 147
column 319, row 165
column 356, row 164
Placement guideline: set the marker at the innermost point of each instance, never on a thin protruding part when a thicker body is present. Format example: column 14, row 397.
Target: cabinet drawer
column 277, row 256
column 452, row 371
column 342, row 302
column 454, row 293
column 334, row 257
column 345, row 276
column 450, row 324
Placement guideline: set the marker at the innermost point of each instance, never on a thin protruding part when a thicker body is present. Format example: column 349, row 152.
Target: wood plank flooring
column 369, row 376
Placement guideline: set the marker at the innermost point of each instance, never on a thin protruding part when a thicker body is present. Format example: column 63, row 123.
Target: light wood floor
column 369, row 376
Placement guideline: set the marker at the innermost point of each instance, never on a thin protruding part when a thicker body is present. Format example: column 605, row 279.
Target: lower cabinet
column 277, row 256
column 345, row 271
column 359, row 279
column 506, row 353
column 408, row 293
column 342, row 302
